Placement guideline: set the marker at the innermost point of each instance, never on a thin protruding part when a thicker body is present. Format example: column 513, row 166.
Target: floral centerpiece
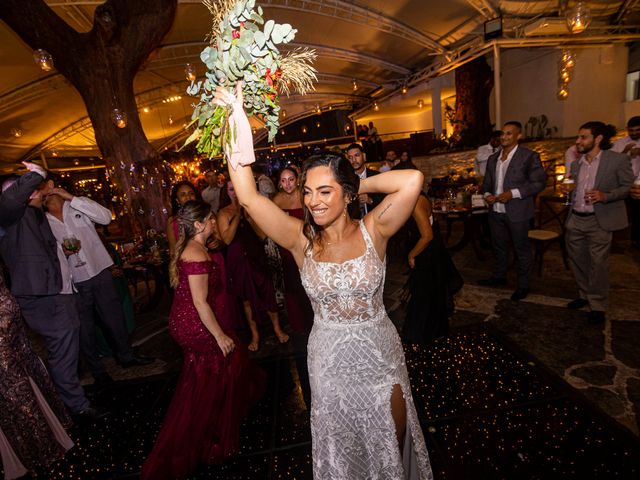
column 243, row 47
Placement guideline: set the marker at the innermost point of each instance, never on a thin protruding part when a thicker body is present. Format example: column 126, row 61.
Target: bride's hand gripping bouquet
column 243, row 51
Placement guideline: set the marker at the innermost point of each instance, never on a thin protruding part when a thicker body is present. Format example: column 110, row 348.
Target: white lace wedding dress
column 355, row 359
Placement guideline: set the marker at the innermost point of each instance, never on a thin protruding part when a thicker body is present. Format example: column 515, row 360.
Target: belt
column 583, row 214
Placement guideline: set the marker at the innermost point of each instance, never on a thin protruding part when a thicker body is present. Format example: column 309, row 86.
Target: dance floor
column 488, row 411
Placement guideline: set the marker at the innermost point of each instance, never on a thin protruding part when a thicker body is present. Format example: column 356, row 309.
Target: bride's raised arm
column 283, row 229
column 402, row 188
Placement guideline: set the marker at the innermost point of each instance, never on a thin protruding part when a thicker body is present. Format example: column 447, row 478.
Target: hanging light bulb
column 420, row 103
column 43, row 59
column 119, row 118
column 318, row 109
column 375, row 106
column 284, row 114
column 170, row 120
column 578, row 18
column 189, row 72
column 405, row 89
column 317, row 124
column 568, row 59
column 304, row 129
column 563, row 93
column 354, row 83
column 565, row 75
column 16, row 132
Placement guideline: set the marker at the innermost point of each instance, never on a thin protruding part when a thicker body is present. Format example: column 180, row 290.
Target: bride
column 363, row 421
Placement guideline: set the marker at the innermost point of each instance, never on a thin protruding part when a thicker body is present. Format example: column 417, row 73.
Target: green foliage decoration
column 243, row 47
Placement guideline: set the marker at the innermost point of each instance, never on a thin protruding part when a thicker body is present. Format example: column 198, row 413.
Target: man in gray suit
column 602, row 180
column 514, row 176
column 33, row 258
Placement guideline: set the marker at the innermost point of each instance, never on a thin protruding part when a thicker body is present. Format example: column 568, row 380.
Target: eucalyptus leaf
column 268, row 28
column 260, row 39
column 276, row 34
column 193, row 89
column 257, row 18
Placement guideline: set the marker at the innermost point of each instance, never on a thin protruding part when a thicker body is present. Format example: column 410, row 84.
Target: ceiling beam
column 626, row 7
column 192, row 50
column 338, row 9
column 485, row 8
column 349, row 12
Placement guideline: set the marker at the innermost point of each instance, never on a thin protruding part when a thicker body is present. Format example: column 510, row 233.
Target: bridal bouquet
column 243, row 47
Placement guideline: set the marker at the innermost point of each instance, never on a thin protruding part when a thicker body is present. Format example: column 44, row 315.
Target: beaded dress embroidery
column 355, row 359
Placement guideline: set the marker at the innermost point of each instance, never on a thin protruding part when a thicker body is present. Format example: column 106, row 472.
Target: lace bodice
column 349, row 292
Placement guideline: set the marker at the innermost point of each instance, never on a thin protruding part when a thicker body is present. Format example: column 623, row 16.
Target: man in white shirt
column 71, row 216
column 513, row 178
column 41, row 283
column 211, row 194
column 484, row 152
column 630, row 146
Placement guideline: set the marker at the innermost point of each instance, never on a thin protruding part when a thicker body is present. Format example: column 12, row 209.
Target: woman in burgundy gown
column 299, row 311
column 248, row 273
column 218, row 384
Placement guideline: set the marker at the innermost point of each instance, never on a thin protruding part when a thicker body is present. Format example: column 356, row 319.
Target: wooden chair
column 542, row 240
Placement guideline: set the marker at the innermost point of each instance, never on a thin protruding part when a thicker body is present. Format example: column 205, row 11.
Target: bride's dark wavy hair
column 344, row 175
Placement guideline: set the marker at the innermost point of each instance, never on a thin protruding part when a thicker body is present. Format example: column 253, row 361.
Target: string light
column 404, row 89
column 420, row 103
column 189, row 72
column 375, row 106
column 354, row 83
column 43, row 59
column 119, row 118
column 16, row 132
column 568, row 59
column 579, row 18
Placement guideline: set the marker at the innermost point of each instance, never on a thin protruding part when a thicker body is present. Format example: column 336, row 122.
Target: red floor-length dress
column 213, row 393
column 299, row 311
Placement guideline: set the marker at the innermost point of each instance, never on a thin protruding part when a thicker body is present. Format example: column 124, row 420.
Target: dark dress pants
column 55, row 318
column 502, row 230
column 99, row 295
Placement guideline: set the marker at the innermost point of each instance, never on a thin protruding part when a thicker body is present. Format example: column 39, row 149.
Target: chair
column 542, row 240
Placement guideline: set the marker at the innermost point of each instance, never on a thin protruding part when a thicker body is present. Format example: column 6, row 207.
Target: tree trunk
column 472, row 123
column 102, row 64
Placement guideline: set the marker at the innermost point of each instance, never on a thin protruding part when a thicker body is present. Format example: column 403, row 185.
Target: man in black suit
column 35, row 262
column 514, row 176
column 358, row 159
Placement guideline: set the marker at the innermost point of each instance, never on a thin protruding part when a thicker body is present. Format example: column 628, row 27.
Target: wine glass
column 73, row 245
column 568, row 185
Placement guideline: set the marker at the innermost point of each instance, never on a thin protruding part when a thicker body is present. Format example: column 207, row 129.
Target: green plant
column 243, row 47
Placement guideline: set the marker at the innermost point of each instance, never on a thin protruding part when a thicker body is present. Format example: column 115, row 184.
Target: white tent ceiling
column 380, row 43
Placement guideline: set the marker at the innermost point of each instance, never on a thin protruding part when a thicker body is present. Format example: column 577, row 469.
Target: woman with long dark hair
column 217, row 384
column 181, row 193
column 363, row 420
column 288, row 198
